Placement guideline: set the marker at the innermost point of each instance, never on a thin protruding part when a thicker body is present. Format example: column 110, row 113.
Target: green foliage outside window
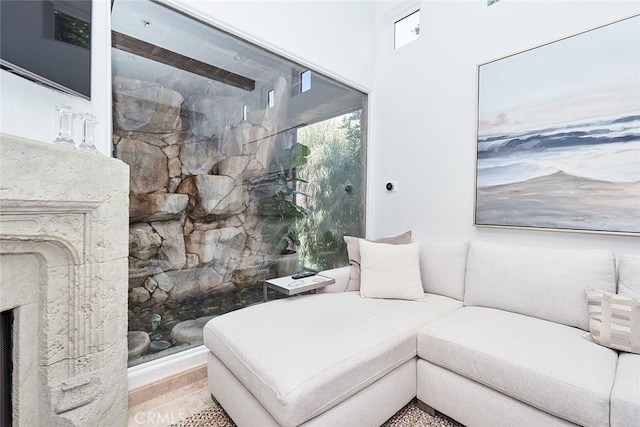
column 277, row 193
column 333, row 172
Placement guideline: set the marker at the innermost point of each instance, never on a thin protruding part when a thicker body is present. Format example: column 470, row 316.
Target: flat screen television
column 48, row 42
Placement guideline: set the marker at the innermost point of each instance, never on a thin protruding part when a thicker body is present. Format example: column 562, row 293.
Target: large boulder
column 138, row 295
column 234, row 139
column 201, row 115
column 138, row 343
column 218, row 196
column 148, row 172
column 251, row 270
column 145, row 106
column 171, row 254
column 144, row 242
column 194, row 283
column 190, row 331
column 210, row 245
column 234, row 167
column 198, row 156
column 157, row 206
column 209, row 113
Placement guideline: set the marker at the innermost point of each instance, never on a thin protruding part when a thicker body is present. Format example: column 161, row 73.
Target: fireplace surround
column 63, row 275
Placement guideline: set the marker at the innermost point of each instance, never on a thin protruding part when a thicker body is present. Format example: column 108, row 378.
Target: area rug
column 409, row 416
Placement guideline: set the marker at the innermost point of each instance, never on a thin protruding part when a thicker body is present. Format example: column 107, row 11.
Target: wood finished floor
column 171, row 407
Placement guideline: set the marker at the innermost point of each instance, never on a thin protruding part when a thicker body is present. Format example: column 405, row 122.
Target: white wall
column 28, row 109
column 424, row 109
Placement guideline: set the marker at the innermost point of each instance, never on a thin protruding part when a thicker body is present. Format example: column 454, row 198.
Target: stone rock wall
column 194, row 232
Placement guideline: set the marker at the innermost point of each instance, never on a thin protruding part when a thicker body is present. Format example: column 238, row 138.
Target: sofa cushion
column 544, row 364
column 625, row 396
column 614, row 320
column 443, row 264
column 353, row 252
column 539, row 282
column 300, row 356
column 390, row 271
column 629, row 275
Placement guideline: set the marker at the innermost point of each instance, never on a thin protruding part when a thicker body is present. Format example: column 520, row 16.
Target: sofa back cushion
column 443, row 264
column 353, row 251
column 540, row 282
column 629, row 275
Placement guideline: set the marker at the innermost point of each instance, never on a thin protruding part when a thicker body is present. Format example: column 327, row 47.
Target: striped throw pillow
column 614, row 320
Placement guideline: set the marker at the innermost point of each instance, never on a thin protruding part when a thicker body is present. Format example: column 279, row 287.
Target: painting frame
column 557, row 141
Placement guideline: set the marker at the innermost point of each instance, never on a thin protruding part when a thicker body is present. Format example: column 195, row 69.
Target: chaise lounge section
column 497, row 338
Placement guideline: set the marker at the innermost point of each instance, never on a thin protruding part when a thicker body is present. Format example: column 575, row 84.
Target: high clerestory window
column 305, row 81
column 271, row 98
column 406, row 29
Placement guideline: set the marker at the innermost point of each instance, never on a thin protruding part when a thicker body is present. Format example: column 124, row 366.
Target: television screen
column 49, row 42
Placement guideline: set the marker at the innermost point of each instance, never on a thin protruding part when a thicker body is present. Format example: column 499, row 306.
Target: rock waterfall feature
column 195, row 240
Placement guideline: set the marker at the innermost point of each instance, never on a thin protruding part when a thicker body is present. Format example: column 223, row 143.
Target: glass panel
column 406, row 29
column 217, row 177
column 334, row 193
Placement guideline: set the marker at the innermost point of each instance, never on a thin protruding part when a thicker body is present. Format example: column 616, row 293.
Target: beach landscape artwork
column 559, row 134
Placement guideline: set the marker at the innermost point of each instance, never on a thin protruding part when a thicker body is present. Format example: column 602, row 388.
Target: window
column 271, row 98
column 305, row 81
column 263, row 177
column 406, row 30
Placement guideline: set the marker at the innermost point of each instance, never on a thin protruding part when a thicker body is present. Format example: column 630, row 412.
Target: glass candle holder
column 65, row 138
column 88, row 132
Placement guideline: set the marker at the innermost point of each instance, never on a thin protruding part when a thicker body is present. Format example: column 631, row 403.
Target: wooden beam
column 173, row 59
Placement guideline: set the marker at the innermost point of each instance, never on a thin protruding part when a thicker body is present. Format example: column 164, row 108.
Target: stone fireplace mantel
column 64, row 275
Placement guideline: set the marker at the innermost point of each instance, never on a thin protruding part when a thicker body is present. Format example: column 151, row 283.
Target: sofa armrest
column 340, row 275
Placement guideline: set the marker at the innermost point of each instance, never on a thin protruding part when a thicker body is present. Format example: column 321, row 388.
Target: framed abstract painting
column 558, row 134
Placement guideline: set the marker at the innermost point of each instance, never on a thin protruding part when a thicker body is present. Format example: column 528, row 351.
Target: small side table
column 290, row 286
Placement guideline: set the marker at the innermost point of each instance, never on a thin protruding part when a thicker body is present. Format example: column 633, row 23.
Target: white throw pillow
column 390, row 271
column 353, row 251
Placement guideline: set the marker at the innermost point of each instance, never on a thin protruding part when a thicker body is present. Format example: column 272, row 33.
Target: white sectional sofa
column 499, row 337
